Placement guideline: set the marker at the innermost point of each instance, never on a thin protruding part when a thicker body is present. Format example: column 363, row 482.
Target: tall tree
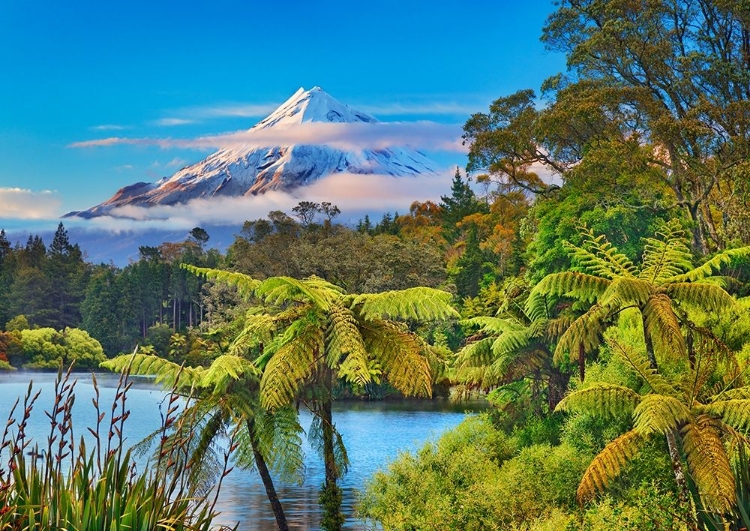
column 677, row 75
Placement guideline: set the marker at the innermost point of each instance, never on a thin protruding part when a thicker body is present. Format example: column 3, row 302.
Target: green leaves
column 421, row 304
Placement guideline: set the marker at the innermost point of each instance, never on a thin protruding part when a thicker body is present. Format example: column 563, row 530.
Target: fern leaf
column 279, row 436
column 659, row 414
column 585, row 331
column 608, row 464
column 245, row 284
column 165, row 372
column 580, row 286
column 599, row 257
column 601, row 399
column 666, row 256
column 278, row 291
column 709, row 464
column 401, row 355
column 224, row 370
column 735, row 411
column 291, row 364
column 492, row 325
column 423, row 304
column 714, row 264
column 709, row 297
column 344, row 347
column 639, row 363
column 664, row 327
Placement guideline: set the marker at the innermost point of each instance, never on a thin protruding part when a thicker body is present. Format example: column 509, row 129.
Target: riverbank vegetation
column 588, row 275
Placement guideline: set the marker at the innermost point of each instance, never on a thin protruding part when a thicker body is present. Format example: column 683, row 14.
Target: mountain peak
column 314, row 105
column 251, row 170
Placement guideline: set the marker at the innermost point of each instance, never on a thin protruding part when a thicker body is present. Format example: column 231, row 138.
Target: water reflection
column 373, row 432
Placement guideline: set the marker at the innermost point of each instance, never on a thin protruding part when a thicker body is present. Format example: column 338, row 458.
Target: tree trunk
column 581, row 362
column 265, row 475
column 683, row 493
column 330, row 494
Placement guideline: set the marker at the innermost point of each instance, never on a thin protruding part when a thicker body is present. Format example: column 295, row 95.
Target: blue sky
column 83, row 71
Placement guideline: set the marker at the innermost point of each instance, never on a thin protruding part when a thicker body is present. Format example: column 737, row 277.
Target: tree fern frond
column 279, row 291
column 279, row 436
column 473, row 362
column 492, row 325
column 608, row 464
column 627, row 291
column 557, row 327
column 585, row 331
column 738, row 393
column 224, row 370
column 580, row 286
column 599, row 257
column 424, row 304
column 664, row 327
column 165, row 372
column 667, row 255
column 245, row 284
column 401, row 356
column 660, row 414
column 510, row 342
column 733, row 411
column 608, row 400
column 714, row 264
column 345, row 350
column 639, row 363
column 709, row 465
column 292, row 363
column 709, row 297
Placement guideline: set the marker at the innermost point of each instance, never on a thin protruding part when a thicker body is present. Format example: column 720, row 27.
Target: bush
column 446, row 485
column 46, row 348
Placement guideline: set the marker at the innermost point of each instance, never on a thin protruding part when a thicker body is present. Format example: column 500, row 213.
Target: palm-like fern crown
column 609, row 282
column 309, row 322
column 665, row 407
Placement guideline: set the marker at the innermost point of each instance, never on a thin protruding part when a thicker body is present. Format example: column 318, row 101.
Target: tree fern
column 663, row 326
column 714, row 264
column 733, row 411
column 599, row 256
column 290, row 366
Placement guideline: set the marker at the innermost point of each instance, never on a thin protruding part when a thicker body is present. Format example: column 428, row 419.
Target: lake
column 374, row 433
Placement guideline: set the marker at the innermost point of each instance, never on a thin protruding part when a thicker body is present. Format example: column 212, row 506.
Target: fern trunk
column 265, row 476
column 683, row 493
column 331, row 495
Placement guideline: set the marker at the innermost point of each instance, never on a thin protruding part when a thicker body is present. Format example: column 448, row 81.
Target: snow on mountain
column 250, row 170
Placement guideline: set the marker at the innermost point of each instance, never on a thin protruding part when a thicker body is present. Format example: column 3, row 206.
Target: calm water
column 374, row 433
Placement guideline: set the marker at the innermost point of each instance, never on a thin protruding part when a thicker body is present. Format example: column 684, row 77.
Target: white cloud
column 354, row 194
column 171, row 122
column 347, row 136
column 109, row 127
column 20, row 203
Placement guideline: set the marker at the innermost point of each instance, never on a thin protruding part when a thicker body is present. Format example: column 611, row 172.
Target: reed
column 66, row 485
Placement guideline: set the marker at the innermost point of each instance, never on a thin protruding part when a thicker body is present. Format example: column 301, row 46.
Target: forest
column 587, row 274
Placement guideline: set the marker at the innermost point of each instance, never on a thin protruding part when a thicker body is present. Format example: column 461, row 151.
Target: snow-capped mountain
column 250, row 170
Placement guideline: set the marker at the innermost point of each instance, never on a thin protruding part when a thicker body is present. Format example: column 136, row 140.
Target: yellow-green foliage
column 46, row 348
column 468, row 480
